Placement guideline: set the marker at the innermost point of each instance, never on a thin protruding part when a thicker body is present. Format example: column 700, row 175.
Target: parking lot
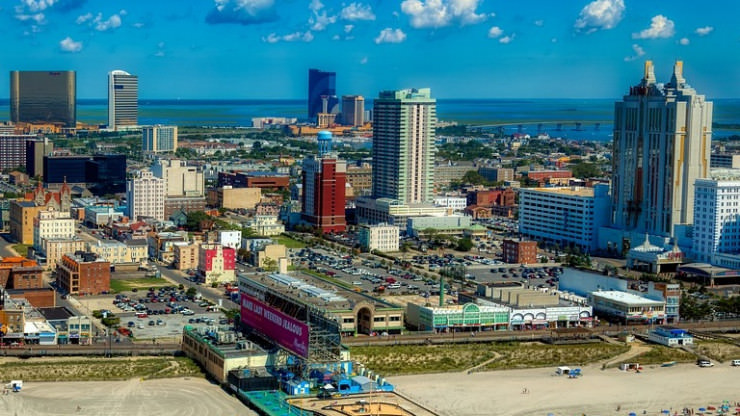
column 162, row 312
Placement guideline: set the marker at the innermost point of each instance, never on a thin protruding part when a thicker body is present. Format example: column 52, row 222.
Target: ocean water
column 557, row 117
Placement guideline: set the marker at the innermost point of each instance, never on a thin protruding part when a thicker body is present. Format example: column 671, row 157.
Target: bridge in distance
column 560, row 125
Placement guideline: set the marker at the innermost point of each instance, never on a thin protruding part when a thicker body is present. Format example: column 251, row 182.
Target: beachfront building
column 467, row 317
column 670, row 337
column 628, row 307
column 567, row 217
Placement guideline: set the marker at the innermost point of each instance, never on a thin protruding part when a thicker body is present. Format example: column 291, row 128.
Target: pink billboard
column 288, row 332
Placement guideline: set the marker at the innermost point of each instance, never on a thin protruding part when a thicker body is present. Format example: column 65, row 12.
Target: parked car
column 704, row 363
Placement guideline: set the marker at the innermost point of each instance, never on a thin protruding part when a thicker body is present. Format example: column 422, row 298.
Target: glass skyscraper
column 123, row 99
column 43, row 97
column 321, row 84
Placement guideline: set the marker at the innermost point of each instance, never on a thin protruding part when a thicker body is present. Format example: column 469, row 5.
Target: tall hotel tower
column 662, row 138
column 123, row 99
column 403, row 145
column 39, row 97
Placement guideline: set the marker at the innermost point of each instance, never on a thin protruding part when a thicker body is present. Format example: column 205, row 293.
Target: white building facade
column 123, row 100
column 145, row 196
column 717, row 219
column 381, row 237
column 455, row 203
column 564, row 216
column 181, row 179
column 52, row 225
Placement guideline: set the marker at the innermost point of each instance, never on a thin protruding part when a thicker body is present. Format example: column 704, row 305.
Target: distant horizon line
column 7, row 99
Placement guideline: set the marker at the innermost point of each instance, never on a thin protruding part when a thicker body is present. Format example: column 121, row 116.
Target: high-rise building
column 13, row 150
column 159, row 139
column 403, row 145
column 123, row 99
column 662, row 139
column 716, row 237
column 36, row 149
column 104, row 174
column 321, row 83
column 324, row 181
column 145, row 196
column 353, row 110
column 43, row 97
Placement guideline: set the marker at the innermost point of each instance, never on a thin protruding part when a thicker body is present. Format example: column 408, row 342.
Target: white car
column 705, row 363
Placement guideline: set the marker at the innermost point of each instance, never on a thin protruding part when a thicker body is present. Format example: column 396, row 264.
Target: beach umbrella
column 633, row 414
column 665, row 411
column 701, row 409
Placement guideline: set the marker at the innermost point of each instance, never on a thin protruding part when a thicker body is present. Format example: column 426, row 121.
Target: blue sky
column 459, row 48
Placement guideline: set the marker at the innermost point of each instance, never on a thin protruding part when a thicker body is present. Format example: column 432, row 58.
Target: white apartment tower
column 52, row 225
column 717, row 218
column 145, row 195
column 662, row 138
column 403, row 145
column 159, row 139
column 123, row 99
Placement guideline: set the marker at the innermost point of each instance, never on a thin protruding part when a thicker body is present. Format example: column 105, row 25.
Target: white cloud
column 638, row 52
column 336, row 37
column 554, row 40
column 357, row 11
column 348, row 28
column 389, row 35
column 113, row 22
column 441, row 13
column 363, row 61
column 84, row 18
column 37, row 18
column 243, row 12
column 495, row 32
column 599, row 15
column 316, row 5
column 138, row 25
column 539, row 23
column 319, row 22
column 507, row 39
column 703, row 31
column 34, row 6
column 123, row 12
column 660, row 27
column 69, row 45
column 684, row 41
column 290, row 37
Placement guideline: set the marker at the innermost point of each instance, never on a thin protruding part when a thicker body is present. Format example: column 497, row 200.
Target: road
column 6, row 246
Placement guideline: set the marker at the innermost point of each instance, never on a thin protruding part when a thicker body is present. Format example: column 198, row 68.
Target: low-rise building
column 216, row 263
column 230, row 238
column 228, row 197
column 467, row 317
column 519, row 252
column 96, row 215
column 57, row 247
column 221, row 351
column 83, row 274
column 452, row 203
column 389, row 211
column 381, row 237
column 628, row 307
column 52, row 224
column 670, row 337
column 113, row 251
column 269, row 253
column 22, row 214
column 266, row 225
column 20, row 273
column 186, row 256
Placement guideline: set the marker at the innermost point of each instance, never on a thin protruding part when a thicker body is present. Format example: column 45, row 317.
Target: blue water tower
column 324, row 142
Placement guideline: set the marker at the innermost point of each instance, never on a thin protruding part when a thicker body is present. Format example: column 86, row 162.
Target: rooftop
column 570, row 191
column 625, row 297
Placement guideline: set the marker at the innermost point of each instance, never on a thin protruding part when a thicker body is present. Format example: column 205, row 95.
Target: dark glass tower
column 43, row 97
column 321, row 83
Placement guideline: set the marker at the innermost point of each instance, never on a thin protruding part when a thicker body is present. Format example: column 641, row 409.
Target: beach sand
column 597, row 392
column 167, row 397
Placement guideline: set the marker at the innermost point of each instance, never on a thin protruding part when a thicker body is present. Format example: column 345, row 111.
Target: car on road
column 705, row 363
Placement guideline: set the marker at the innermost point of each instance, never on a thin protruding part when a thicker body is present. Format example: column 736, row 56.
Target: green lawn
column 120, row 285
column 22, row 249
column 288, row 242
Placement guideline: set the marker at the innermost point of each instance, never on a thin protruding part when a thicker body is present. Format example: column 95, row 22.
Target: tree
column 269, row 264
column 464, row 244
column 584, row 170
column 111, row 320
column 191, row 292
column 194, row 219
